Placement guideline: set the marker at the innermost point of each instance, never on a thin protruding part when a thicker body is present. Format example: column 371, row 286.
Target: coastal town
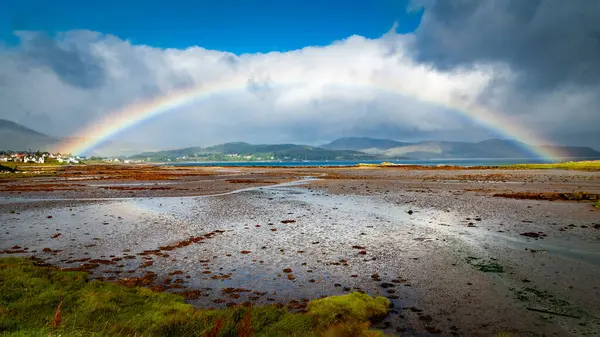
column 38, row 157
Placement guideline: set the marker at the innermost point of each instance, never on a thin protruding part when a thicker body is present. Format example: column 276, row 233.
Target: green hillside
column 245, row 151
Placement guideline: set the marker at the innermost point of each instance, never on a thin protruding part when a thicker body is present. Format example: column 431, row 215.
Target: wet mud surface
column 453, row 258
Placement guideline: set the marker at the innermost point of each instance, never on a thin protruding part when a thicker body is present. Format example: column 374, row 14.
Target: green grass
column 30, row 295
column 95, row 161
column 357, row 307
column 24, row 170
column 7, row 168
column 597, row 204
column 589, row 165
column 15, row 165
column 35, row 166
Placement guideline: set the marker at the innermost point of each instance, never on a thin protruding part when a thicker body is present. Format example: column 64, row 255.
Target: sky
column 310, row 71
column 234, row 26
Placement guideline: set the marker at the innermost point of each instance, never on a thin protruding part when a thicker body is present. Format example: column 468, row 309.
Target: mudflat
column 458, row 251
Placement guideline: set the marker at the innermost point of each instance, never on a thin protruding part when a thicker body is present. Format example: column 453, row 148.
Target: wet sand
column 450, row 255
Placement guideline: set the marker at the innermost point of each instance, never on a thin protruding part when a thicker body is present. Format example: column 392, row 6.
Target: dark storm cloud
column 548, row 43
column 75, row 64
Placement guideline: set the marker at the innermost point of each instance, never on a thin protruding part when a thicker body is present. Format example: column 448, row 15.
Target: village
column 39, row 157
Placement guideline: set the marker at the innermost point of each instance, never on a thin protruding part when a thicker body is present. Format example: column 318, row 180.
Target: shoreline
column 441, row 242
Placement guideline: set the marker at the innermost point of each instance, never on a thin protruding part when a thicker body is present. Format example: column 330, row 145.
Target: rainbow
column 115, row 122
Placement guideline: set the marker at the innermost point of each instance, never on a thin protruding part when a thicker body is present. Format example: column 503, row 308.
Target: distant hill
column 359, row 144
column 9, row 125
column 366, row 149
column 493, row 148
column 17, row 137
column 572, row 151
column 258, row 152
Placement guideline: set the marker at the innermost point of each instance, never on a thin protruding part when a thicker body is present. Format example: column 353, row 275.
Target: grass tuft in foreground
column 356, row 307
column 6, row 168
column 588, row 165
column 44, row 301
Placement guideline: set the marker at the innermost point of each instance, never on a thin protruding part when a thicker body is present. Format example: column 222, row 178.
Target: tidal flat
column 453, row 249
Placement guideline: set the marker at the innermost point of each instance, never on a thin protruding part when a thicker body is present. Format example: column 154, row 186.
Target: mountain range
column 492, row 148
column 14, row 136
column 240, row 151
column 369, row 149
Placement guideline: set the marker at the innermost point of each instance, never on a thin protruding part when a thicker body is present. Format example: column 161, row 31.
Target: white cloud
column 59, row 85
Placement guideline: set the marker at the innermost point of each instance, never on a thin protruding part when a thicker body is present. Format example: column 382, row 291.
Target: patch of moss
column 351, row 329
column 587, row 165
column 30, row 296
column 354, row 307
column 485, row 266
